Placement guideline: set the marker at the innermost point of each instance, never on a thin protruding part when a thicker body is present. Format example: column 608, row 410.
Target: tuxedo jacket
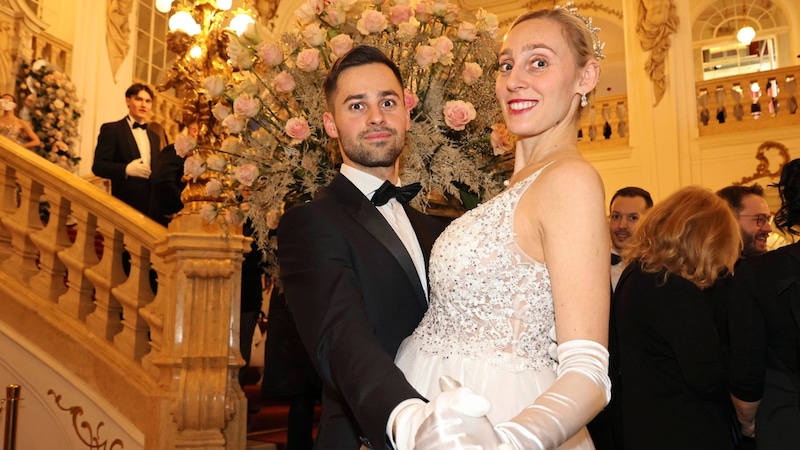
column 116, row 147
column 355, row 295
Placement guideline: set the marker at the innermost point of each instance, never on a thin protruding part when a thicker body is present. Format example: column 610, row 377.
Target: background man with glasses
column 749, row 206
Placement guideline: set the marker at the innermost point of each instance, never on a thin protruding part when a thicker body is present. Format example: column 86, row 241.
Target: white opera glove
column 407, row 418
column 458, row 422
column 137, row 168
column 581, row 390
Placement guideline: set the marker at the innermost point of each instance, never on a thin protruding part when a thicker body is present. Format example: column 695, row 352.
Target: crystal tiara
column 597, row 45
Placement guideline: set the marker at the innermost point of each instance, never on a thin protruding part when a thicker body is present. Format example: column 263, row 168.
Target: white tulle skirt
column 509, row 391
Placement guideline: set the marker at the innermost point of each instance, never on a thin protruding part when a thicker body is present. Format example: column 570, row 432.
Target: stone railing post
column 199, row 358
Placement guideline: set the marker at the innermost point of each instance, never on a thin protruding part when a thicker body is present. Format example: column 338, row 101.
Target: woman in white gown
column 13, row 127
column 531, row 259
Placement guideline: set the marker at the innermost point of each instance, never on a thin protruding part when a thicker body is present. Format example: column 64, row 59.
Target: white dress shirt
column 616, row 271
column 394, row 213
column 142, row 141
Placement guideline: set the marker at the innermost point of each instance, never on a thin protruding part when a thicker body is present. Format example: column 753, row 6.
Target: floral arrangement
column 49, row 98
column 270, row 108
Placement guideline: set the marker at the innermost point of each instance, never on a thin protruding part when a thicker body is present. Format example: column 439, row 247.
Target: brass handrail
column 12, row 400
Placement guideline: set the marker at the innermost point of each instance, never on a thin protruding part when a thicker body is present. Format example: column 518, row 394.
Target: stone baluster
column 22, row 259
column 106, row 320
column 200, row 358
column 135, row 293
column 8, row 205
column 77, row 301
column 50, row 283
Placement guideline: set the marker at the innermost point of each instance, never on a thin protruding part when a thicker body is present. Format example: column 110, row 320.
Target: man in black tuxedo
column 354, row 271
column 126, row 150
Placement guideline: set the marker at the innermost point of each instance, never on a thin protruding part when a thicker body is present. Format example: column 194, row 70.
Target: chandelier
column 745, row 34
column 198, row 35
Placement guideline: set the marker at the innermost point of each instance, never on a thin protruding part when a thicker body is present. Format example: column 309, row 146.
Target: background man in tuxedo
column 749, row 206
column 624, row 211
column 126, row 150
column 354, row 272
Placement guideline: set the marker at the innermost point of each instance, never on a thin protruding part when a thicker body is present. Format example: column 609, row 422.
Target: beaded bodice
column 488, row 299
column 11, row 131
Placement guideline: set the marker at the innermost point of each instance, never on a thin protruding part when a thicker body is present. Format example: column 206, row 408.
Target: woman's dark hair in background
column 789, row 190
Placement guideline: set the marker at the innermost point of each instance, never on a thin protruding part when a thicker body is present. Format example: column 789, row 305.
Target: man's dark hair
column 358, row 56
column 632, row 191
column 139, row 87
column 734, row 195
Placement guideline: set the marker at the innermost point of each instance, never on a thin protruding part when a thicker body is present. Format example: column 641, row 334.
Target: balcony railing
column 605, row 124
column 148, row 318
column 748, row 102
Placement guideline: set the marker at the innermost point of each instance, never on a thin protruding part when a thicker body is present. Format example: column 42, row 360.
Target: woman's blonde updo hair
column 692, row 234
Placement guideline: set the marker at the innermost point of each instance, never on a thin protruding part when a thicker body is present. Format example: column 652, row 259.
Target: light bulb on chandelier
column 745, row 34
column 240, row 22
column 163, row 6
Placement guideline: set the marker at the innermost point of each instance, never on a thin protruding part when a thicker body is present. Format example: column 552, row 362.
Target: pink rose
column 399, row 14
column 487, row 22
column 471, row 73
column 297, row 128
column 334, row 16
column 194, row 166
column 234, row 217
column 270, row 52
column 246, row 106
column 501, row 139
column 214, row 86
column 284, row 82
column 209, row 212
column 467, row 32
column 371, row 21
column 213, row 188
column 313, row 35
column 308, row 60
column 410, row 99
column 407, row 30
column 424, row 12
column 216, row 162
column 233, row 123
column 184, row 144
column 221, row 111
column 444, row 49
column 341, row 44
column 425, row 55
column 458, row 113
column 246, row 174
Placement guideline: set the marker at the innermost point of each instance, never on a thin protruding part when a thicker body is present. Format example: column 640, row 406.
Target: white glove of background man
column 137, row 168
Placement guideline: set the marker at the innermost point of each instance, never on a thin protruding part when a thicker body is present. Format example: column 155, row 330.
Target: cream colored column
column 103, row 99
column 663, row 136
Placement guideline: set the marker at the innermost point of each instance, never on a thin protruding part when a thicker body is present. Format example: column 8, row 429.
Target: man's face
column 368, row 117
column 625, row 214
column 139, row 105
column 754, row 236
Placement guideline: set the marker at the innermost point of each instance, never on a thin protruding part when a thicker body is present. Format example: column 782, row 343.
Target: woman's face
column 7, row 103
column 538, row 81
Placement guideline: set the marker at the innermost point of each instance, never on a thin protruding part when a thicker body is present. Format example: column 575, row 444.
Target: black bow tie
column 139, row 125
column 615, row 259
column 387, row 191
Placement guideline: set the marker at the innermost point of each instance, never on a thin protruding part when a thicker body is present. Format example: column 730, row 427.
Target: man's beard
column 749, row 247
column 383, row 154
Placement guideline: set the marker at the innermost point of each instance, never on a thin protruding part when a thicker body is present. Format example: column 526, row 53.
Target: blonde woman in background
column 674, row 390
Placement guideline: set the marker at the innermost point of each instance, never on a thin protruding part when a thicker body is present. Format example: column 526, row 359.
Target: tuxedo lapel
column 368, row 216
column 125, row 131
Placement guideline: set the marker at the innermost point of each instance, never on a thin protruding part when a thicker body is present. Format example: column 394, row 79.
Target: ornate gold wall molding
column 762, row 169
column 92, row 441
column 582, row 7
